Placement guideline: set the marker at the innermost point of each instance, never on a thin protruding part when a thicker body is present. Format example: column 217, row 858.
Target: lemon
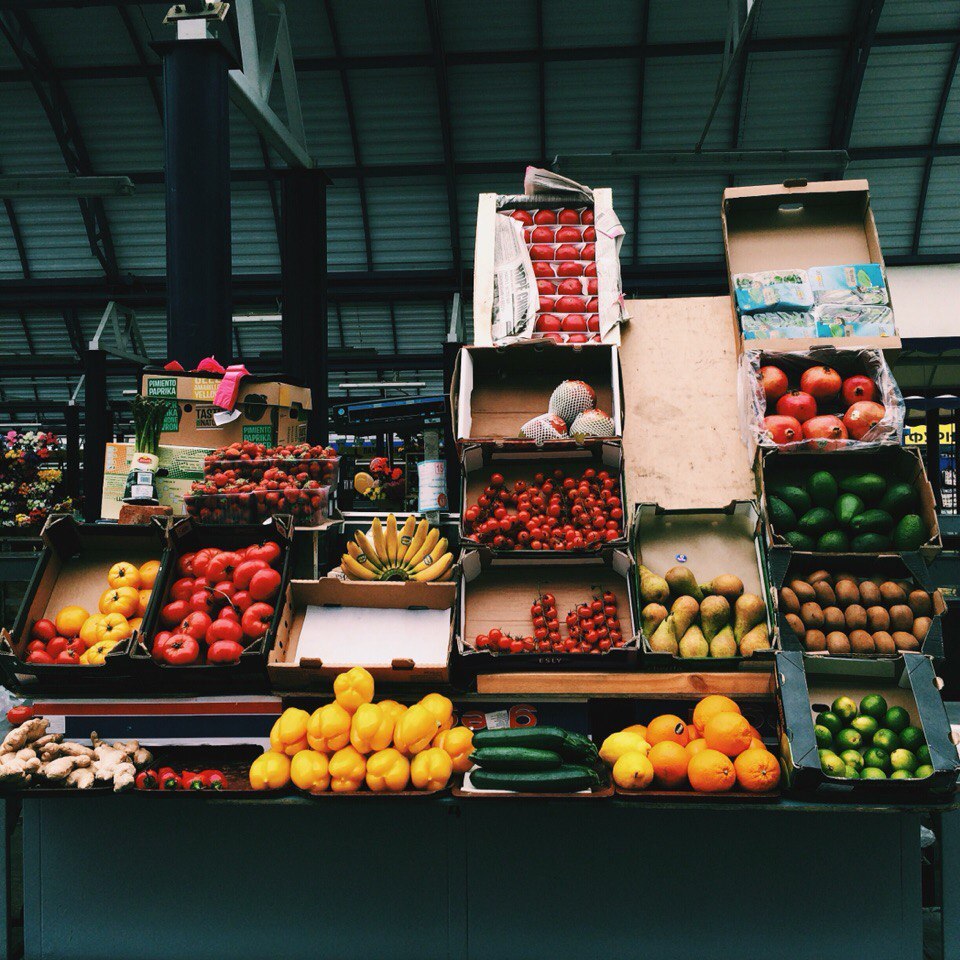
column 617, row 744
column 633, row 771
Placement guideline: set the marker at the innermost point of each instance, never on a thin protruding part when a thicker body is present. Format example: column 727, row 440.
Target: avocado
column 822, row 487
column 872, row 521
column 781, row 516
column 870, row 543
column 899, row 499
column 870, row 487
column 800, row 541
column 816, row 521
column 909, row 533
column 847, row 507
column 833, row 541
column 796, row 498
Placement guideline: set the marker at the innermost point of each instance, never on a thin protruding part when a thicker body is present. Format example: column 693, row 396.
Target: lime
column 830, row 720
column 848, row 740
column 896, row 719
column 851, row 772
column 886, row 740
column 852, row 758
column 865, row 726
column 923, row 771
column 911, row 738
column 824, row 737
column 872, row 773
column 923, row 755
column 901, row 775
column 874, row 706
column 844, row 708
column 903, row 760
column 876, row 757
column 832, row 765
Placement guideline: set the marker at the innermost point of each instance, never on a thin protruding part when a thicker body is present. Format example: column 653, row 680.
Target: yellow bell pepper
column 371, row 729
column 347, row 770
column 431, row 769
column 415, row 730
column 458, row 743
column 270, row 771
column 353, row 688
column 388, row 771
column 441, row 707
column 114, row 626
column 328, row 728
column 310, row 770
column 97, row 654
column 394, row 709
column 289, row 733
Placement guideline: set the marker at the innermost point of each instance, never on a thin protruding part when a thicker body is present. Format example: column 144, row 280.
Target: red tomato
column 68, row 656
column 223, row 629
column 223, row 565
column 19, row 714
column 185, row 565
column 205, row 601
column 182, row 589
column 568, row 216
column 78, row 645
column 256, row 620
column 180, row 650
column 56, row 646
column 44, row 630
column 224, row 651
column 545, row 216
column 36, row 645
column 39, row 656
column 245, row 570
column 172, row 613
column 201, row 560
column 195, row 625
column 159, row 642
column 225, row 588
column 264, row 584
column 229, row 613
column 241, row 600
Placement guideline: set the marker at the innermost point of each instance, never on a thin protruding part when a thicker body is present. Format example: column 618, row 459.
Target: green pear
column 724, row 644
column 653, row 588
column 685, row 611
column 694, row 644
column 726, row 585
column 651, row 616
column 714, row 615
column 749, row 610
column 757, row 639
column 682, row 583
column 664, row 639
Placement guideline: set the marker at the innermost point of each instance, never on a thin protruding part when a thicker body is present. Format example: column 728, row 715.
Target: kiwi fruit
column 833, row 619
column 877, row 619
column 855, row 617
column 815, row 641
column 812, row 616
column 819, row 576
column 869, row 594
column 905, row 641
column 847, row 592
column 796, row 624
column 921, row 603
column 838, row 642
column 861, row 642
column 884, row 642
column 789, row 603
column 920, row 628
column 825, row 595
column 803, row 591
column 892, row 593
column 901, row 618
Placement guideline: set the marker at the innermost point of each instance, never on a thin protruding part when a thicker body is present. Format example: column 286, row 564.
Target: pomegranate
column 569, row 268
column 589, row 234
column 858, row 388
column 571, row 305
column 590, row 270
column 545, row 216
column 577, row 338
column 824, row 432
column 593, row 305
column 546, row 304
column 797, row 404
column 573, row 323
column 572, row 286
column 861, row 417
column 543, row 268
column 586, row 216
column 523, row 216
column 589, row 252
column 568, row 216
column 592, row 286
column 567, row 251
column 593, row 323
column 545, row 288
column 822, row 383
column 547, row 321
column 568, row 235
column 783, row 429
column 541, row 235
column 775, row 383
column 541, row 251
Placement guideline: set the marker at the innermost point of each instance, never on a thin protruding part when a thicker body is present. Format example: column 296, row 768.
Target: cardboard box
column 495, row 390
column 799, row 566
column 400, row 632
column 914, row 686
column 712, row 542
column 901, row 463
column 497, row 594
column 178, row 468
column 267, row 411
column 72, row 571
column 795, row 226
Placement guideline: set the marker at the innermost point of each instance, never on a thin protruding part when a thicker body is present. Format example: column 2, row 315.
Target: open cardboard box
column 862, row 567
column 794, row 226
column 398, row 631
column 72, row 571
column 913, row 686
column 713, row 542
column 267, row 411
column 496, row 594
column 496, row 390
column 900, row 463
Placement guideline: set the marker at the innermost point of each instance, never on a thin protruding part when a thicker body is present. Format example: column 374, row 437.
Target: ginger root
column 62, row 767
column 81, row 777
column 68, row 749
column 26, row 733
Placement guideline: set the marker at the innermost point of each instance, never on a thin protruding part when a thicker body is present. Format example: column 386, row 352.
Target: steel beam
column 153, row 79
column 17, row 238
column 98, row 430
column 541, row 87
column 638, row 139
column 858, row 53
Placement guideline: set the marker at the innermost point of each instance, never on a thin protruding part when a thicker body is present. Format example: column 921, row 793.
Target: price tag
column 498, row 720
column 432, row 488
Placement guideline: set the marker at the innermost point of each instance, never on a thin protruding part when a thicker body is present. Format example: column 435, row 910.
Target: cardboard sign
column 177, row 469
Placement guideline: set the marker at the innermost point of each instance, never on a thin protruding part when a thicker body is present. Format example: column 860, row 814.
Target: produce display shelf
column 738, row 684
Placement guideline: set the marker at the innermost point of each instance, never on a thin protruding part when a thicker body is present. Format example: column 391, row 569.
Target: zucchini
column 565, row 779
column 515, row 758
column 572, row 747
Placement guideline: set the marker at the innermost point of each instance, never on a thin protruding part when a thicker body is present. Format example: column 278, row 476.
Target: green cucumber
column 507, row 759
column 565, row 779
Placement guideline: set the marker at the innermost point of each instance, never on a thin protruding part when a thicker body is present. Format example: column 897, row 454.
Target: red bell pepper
column 191, row 781
column 147, row 780
column 213, row 779
column 169, row 779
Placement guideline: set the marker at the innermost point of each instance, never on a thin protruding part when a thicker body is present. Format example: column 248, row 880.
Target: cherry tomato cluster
column 248, row 482
column 554, row 512
column 592, row 627
column 220, row 603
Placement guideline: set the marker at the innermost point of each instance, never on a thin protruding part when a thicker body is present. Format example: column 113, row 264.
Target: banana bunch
column 415, row 552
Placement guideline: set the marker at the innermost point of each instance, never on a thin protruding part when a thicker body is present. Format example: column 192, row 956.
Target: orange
column 122, row 600
column 667, row 726
column 695, row 746
column 70, row 621
column 669, row 762
column 755, row 733
column 692, row 732
column 142, row 601
column 148, row 574
column 756, row 744
column 124, row 574
column 727, row 732
column 637, row 728
column 711, row 772
column 708, row 706
column 757, row 770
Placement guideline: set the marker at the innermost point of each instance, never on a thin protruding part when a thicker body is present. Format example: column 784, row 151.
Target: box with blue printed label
column 856, row 283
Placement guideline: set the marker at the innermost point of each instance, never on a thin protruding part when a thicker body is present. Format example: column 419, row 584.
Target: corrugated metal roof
column 345, row 247
column 680, row 218
column 106, row 38
column 894, row 192
column 941, row 226
column 371, row 27
column 498, row 25
column 692, row 20
column 904, row 15
column 814, row 18
column 570, row 23
column 253, row 230
column 55, row 239
column 410, row 223
column 138, row 224
column 27, row 144
column 678, row 93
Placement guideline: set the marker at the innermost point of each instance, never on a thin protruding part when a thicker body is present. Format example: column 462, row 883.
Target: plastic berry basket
column 221, row 507
column 309, row 507
column 281, row 469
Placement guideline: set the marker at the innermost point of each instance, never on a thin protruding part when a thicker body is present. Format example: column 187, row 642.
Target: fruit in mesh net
column 593, row 423
column 571, row 398
column 548, row 426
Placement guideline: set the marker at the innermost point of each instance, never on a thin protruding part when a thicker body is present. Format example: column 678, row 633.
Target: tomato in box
column 568, row 235
column 572, row 286
column 543, row 268
column 573, row 323
column 569, row 268
column 567, row 251
column 523, row 216
column 593, row 323
column 553, row 336
column 546, row 305
column 590, row 269
column 578, row 338
column 571, row 305
column 545, row 216
column 589, row 252
column 546, row 288
column 592, row 286
column 541, row 251
column 547, row 322
column 586, row 216
column 541, row 235
column 593, row 305
column 568, row 215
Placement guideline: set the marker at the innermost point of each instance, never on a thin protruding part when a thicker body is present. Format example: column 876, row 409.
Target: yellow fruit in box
column 371, row 729
column 310, row 770
column 96, row 655
column 637, row 728
column 617, row 744
column 388, row 771
column 347, row 770
column 88, row 632
column 394, row 709
column 328, row 728
column 143, row 598
column 270, row 771
column 441, row 707
column 415, row 730
column 289, row 733
column 431, row 769
column 136, row 623
column 148, row 573
column 633, row 771
column 115, row 627
column 123, row 600
column 353, row 688
column 70, row 621
column 124, row 574
column 458, row 743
